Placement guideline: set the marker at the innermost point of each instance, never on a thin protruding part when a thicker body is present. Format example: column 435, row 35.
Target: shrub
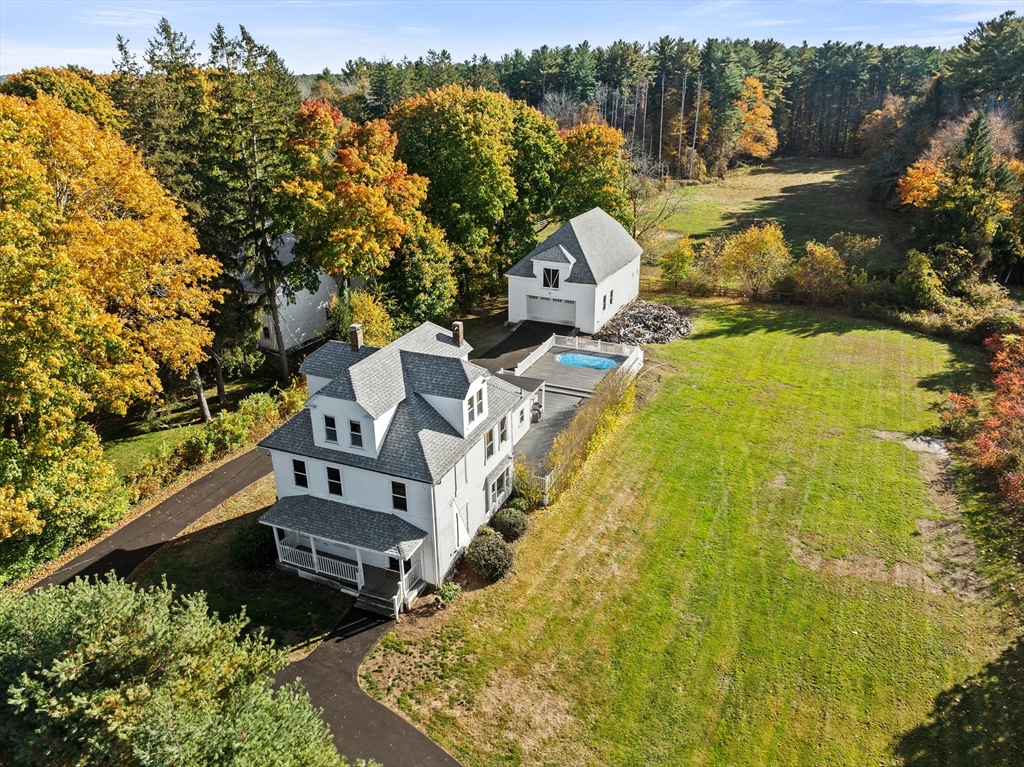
column 291, row 400
column 955, row 268
column 489, row 555
column 958, row 414
column 917, row 286
column 820, row 277
column 253, row 546
column 195, row 449
column 448, row 592
column 529, row 489
column 519, row 503
column 228, row 431
column 511, row 523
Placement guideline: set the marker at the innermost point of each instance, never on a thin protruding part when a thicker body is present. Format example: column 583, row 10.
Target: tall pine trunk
column 204, row 408
column 275, row 316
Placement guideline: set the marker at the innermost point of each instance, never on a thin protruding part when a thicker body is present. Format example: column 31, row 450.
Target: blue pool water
column 578, row 360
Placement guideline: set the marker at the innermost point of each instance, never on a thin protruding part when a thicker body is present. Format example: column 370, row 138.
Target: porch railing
column 347, row 571
column 298, row 557
column 413, row 575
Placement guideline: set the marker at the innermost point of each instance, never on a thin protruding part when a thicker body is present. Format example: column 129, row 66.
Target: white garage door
column 556, row 310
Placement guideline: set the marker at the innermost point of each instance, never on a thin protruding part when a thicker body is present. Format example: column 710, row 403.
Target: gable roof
column 424, row 360
column 419, row 444
column 598, row 243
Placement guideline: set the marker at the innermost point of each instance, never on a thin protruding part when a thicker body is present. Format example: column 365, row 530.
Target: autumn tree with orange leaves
column 101, row 287
column 758, row 138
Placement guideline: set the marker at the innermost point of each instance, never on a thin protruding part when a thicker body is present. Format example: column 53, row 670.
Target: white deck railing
column 347, row 571
column 413, row 575
column 535, row 355
column 634, row 354
column 297, row 557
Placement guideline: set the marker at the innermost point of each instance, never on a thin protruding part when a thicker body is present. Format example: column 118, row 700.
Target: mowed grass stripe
column 659, row 598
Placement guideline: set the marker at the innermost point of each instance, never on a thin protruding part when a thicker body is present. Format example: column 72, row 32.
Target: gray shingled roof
column 596, row 240
column 376, row 379
column 419, row 445
column 352, row 525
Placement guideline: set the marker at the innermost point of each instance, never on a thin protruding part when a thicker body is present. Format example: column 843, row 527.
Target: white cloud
column 133, row 17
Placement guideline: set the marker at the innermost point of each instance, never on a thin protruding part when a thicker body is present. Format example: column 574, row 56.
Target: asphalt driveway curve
column 362, row 727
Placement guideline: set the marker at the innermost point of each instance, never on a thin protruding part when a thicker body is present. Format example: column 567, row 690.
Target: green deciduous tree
column 110, row 674
column 757, row 256
column 593, row 173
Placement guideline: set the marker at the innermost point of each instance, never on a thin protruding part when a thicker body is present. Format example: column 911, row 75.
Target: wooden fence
column 651, row 285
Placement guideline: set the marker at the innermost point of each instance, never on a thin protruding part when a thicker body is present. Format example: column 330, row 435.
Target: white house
column 302, row 320
column 398, row 456
column 580, row 276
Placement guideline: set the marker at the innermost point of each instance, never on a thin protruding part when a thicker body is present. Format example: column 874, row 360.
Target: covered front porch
column 374, row 556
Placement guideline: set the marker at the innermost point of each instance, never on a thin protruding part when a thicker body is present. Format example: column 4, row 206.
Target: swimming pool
column 578, row 360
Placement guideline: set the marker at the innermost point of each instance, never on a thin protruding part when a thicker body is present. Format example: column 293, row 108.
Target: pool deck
column 555, row 374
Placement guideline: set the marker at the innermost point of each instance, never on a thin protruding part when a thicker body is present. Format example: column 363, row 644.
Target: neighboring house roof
column 597, row 242
column 340, row 522
column 424, row 360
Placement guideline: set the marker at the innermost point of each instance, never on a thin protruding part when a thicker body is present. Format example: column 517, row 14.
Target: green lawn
column 657, row 614
column 812, row 198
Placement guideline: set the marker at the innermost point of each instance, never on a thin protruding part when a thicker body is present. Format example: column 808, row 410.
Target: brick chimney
column 458, row 334
column 355, row 336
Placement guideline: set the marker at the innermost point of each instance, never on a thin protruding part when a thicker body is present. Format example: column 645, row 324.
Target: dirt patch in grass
column 951, row 560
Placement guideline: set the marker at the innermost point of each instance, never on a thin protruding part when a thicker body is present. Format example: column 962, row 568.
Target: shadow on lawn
column 978, row 722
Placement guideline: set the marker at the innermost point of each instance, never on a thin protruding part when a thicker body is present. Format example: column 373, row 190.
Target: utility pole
column 696, row 122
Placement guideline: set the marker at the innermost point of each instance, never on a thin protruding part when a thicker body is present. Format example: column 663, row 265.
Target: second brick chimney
column 355, row 335
column 458, row 335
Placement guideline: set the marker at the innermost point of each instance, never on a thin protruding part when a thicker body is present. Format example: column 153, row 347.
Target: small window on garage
column 266, row 332
column 551, row 278
column 604, row 303
column 522, row 415
column 611, row 297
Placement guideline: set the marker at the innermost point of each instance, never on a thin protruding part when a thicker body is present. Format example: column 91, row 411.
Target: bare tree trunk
column 204, row 408
column 696, row 122
column 275, row 316
column 219, row 367
column 661, row 120
column 682, row 111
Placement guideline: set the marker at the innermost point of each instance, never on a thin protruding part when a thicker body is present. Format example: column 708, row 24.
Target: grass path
column 657, row 616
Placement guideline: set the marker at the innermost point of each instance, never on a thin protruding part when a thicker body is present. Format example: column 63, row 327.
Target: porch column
column 277, row 542
column 312, row 547
column 359, row 571
column 401, row 575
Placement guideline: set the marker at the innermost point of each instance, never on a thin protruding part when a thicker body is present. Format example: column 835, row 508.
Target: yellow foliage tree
column 100, row 287
column 920, row 184
column 821, row 275
column 757, row 256
column 758, row 138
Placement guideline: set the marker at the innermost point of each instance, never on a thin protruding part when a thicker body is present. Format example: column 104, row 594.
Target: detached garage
column 579, row 277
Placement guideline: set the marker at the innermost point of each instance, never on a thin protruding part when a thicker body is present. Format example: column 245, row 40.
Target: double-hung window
column 522, row 415
column 503, row 434
column 330, row 428
column 611, row 296
column 333, row 480
column 355, row 433
column 470, row 410
column 299, row 472
column 480, row 402
column 489, row 444
column 551, row 278
column 399, row 500
column 604, row 303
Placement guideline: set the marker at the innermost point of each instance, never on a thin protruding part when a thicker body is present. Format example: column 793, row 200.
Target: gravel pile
column 645, row 323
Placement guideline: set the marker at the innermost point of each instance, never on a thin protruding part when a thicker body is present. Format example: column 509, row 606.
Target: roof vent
column 355, row 336
column 458, row 334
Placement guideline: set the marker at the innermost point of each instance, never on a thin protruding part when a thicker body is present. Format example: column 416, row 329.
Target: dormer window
column 551, row 278
column 330, row 428
column 470, row 410
column 355, row 433
column 480, row 402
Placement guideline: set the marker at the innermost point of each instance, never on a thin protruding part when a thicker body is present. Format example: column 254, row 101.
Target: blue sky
column 311, row 35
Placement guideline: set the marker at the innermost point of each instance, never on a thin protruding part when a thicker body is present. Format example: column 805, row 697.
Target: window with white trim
column 480, row 402
column 604, row 302
column 299, row 473
column 330, row 428
column 611, row 297
column 489, row 444
column 470, row 409
column 355, row 433
column 503, row 432
column 500, row 485
column 522, row 416
column 333, row 480
column 399, row 500
column 551, row 278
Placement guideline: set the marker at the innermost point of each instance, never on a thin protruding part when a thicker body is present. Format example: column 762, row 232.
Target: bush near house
column 511, row 523
column 448, row 592
column 489, row 555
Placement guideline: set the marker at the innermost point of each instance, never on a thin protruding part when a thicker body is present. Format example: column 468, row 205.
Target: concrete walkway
column 125, row 549
column 362, row 727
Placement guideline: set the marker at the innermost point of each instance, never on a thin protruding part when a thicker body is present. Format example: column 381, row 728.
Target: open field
column 747, row 573
column 812, row 198
column 295, row 612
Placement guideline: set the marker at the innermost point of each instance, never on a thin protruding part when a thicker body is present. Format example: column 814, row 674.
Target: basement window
column 299, row 473
column 399, row 500
column 551, row 278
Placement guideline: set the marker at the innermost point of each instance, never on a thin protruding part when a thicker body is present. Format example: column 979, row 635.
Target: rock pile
column 643, row 322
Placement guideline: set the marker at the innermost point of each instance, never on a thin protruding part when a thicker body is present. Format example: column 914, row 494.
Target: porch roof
column 341, row 523
column 505, row 463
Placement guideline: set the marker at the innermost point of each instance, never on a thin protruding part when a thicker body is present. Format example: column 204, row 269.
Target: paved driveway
column 510, row 351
